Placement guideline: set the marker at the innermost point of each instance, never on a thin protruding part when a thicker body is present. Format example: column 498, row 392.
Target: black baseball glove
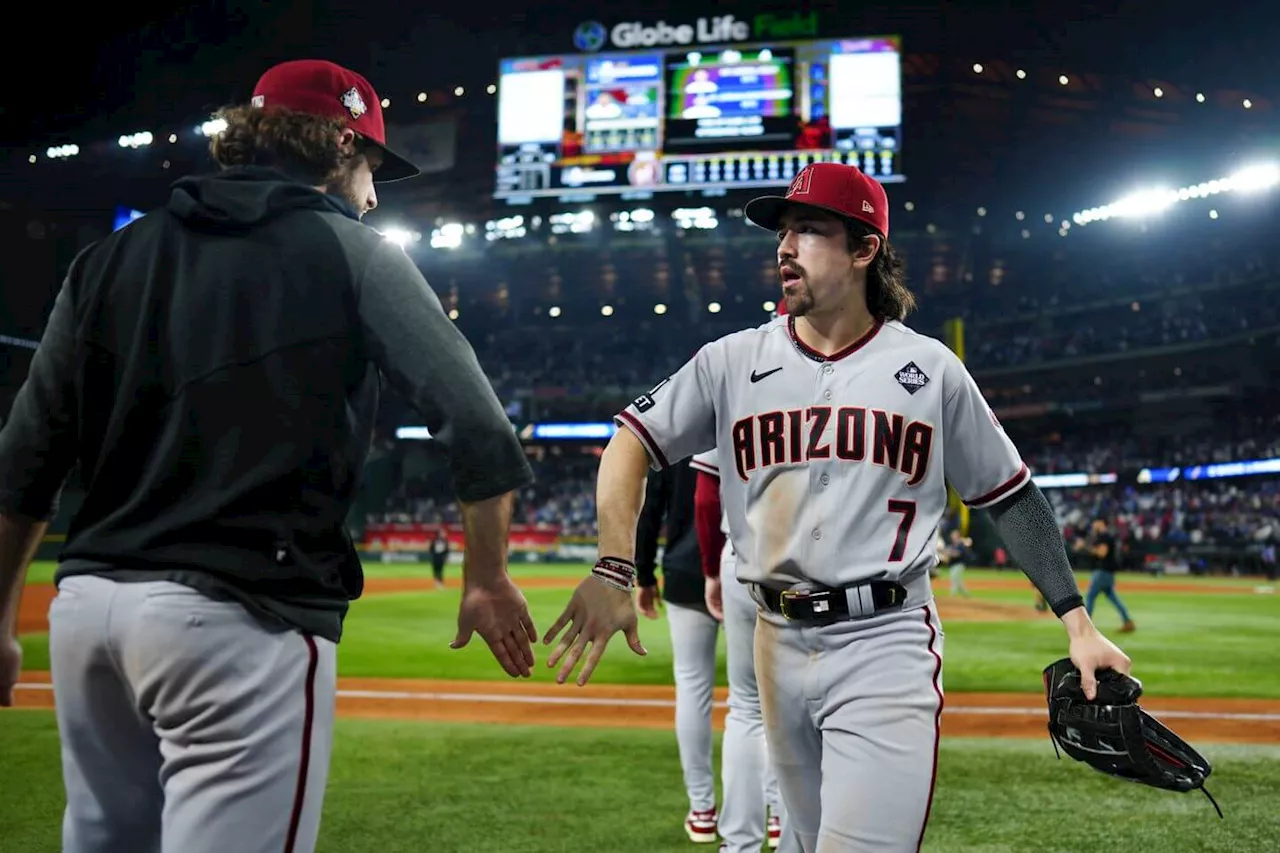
column 1113, row 735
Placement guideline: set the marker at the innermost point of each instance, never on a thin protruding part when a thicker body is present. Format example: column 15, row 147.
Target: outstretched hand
column 595, row 612
column 499, row 613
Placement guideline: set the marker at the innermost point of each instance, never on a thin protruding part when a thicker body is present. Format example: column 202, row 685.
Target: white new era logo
column 866, row 207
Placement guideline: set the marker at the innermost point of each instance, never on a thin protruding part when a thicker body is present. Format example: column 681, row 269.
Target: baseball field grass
column 401, row 785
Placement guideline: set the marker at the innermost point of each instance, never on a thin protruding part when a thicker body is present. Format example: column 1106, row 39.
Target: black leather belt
column 828, row 604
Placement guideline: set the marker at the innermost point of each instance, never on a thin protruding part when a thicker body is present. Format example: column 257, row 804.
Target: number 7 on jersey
column 907, row 509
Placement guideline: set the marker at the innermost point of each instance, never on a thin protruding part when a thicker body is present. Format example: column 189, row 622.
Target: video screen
column 730, row 101
column 712, row 119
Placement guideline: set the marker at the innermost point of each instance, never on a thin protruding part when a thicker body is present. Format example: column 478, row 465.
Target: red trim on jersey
column 811, row 353
column 1003, row 489
column 642, row 433
column 937, row 722
column 308, row 717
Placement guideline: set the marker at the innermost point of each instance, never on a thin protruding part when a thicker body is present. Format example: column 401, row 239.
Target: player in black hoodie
column 214, row 370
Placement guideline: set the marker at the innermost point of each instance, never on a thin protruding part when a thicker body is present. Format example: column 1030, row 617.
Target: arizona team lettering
column 796, row 436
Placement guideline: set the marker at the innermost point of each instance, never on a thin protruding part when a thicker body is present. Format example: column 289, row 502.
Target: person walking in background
column 1104, row 547
column 959, row 554
column 439, row 556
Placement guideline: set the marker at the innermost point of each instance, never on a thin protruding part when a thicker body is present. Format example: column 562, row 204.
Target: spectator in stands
column 1104, row 547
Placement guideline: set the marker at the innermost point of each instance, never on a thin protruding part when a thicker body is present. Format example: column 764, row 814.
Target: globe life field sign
column 590, row 36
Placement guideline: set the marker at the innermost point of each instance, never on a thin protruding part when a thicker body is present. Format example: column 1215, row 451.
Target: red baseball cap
column 831, row 187
column 322, row 88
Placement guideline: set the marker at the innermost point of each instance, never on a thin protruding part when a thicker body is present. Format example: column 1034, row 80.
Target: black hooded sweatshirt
column 214, row 369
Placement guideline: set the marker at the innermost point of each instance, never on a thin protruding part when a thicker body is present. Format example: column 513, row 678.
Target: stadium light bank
column 1256, row 178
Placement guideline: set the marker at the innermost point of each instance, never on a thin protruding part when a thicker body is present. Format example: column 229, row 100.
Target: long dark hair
column 299, row 144
column 887, row 295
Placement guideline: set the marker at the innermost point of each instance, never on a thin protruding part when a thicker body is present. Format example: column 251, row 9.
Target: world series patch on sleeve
column 1115, row 736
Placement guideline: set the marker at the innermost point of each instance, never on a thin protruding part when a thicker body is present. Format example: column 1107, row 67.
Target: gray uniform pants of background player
column 852, row 713
column 749, row 783
column 186, row 725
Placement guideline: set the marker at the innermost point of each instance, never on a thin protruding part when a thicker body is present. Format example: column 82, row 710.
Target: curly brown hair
column 298, row 144
column 887, row 295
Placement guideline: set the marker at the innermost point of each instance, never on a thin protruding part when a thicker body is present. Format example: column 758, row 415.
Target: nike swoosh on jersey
column 756, row 377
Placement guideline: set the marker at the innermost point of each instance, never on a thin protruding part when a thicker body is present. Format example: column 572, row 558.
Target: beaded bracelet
column 616, row 572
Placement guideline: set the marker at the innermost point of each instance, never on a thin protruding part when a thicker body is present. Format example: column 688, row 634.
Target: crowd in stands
column 580, row 359
column 1241, row 513
column 1117, row 328
column 1247, row 437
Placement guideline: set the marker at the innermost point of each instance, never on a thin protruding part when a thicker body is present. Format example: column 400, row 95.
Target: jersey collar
column 813, row 355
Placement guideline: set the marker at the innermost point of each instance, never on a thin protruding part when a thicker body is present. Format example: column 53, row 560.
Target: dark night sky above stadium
column 115, row 63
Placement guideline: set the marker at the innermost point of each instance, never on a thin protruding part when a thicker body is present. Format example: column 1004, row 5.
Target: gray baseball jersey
column 833, row 468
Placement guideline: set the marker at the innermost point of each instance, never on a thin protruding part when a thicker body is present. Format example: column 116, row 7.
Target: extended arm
column 1030, row 531
column 602, row 604
column 424, row 354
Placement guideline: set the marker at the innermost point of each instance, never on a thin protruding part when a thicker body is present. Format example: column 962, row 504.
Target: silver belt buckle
column 821, row 604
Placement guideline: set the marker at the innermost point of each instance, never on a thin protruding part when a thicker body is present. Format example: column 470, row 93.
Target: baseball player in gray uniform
column 752, row 806
column 837, row 428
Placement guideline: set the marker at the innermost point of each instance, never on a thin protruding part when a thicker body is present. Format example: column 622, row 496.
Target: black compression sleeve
column 1030, row 531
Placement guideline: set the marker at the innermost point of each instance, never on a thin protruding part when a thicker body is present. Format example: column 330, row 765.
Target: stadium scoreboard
column 674, row 114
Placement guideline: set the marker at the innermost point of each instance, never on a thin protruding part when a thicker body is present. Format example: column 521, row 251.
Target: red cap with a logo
column 324, row 89
column 831, row 187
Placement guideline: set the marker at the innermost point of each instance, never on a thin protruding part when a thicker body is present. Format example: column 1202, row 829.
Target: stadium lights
column 575, row 223
column 173, row 137
column 1248, row 104
column 507, row 228
column 1022, row 75
column 458, row 91
column 447, row 236
column 977, row 68
column 1158, row 92
column 213, row 127
column 491, row 88
column 402, row 237
column 770, row 306
column 1199, row 97
column 714, row 307
column 135, row 140
column 554, row 311
column 659, row 308
column 606, row 310
column 1213, row 214
column 422, row 97
column 453, row 313
column 61, row 151
column 1063, row 80
column 695, row 217
column 640, row 219
column 32, row 158
column 386, row 102
column 1255, row 178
